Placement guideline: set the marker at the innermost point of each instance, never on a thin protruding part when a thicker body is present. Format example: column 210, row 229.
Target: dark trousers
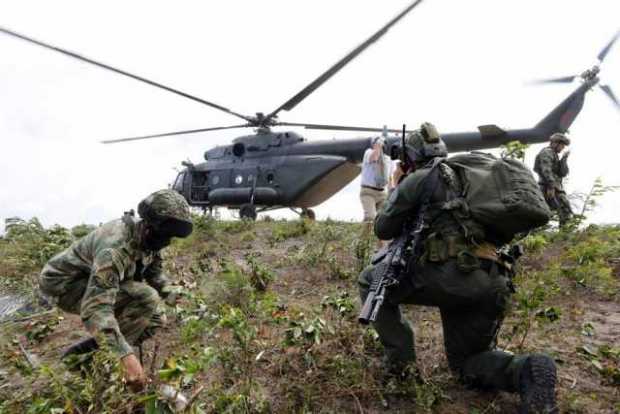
column 472, row 307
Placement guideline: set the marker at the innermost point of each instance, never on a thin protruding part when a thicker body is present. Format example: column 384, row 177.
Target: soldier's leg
column 470, row 341
column 394, row 331
column 469, row 338
column 136, row 311
column 565, row 211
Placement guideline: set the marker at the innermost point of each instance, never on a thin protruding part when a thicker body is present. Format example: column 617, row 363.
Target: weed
column 341, row 303
column 260, row 275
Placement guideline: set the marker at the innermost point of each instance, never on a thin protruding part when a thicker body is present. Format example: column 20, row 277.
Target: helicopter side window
column 271, row 178
column 238, row 149
column 215, row 179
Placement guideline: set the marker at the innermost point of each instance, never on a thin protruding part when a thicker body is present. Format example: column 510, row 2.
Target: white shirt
column 375, row 173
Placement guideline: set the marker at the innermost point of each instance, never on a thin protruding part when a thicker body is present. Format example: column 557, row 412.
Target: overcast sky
column 456, row 63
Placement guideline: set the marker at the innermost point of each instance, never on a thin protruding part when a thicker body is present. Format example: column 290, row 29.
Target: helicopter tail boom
column 492, row 136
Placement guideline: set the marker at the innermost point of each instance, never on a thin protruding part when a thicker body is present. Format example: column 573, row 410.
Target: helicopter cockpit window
column 178, row 182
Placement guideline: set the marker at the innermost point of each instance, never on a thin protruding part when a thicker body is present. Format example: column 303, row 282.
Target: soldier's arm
column 546, row 169
column 154, row 276
column 97, row 309
column 563, row 167
column 400, row 205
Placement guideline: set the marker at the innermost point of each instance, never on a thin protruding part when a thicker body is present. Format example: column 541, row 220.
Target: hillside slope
column 268, row 324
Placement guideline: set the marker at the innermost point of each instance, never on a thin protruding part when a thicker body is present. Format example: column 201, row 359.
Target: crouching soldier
column 468, row 282
column 113, row 278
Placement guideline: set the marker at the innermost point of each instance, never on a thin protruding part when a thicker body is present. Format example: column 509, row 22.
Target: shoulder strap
column 430, row 185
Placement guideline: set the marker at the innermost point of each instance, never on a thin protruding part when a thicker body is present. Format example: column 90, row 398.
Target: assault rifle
column 392, row 262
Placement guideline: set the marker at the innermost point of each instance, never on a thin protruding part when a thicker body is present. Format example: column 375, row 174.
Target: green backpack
column 500, row 194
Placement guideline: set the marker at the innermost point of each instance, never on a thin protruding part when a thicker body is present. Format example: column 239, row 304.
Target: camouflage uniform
column 472, row 299
column 111, row 280
column 551, row 169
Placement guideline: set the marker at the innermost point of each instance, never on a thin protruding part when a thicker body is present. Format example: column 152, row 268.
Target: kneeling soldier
column 468, row 283
column 112, row 277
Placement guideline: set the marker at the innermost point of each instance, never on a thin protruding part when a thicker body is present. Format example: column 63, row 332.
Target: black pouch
column 467, row 262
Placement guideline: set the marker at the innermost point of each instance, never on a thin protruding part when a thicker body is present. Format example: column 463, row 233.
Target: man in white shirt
column 375, row 174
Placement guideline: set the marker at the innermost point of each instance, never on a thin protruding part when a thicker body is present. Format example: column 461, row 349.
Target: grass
column 267, row 323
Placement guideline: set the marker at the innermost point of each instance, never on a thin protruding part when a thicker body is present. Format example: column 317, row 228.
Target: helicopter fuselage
column 272, row 169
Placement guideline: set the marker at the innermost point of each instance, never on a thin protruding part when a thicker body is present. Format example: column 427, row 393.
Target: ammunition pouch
column 439, row 248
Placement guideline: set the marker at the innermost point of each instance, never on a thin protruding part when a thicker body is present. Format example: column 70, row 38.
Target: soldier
column 468, row 282
column 113, row 278
column 551, row 169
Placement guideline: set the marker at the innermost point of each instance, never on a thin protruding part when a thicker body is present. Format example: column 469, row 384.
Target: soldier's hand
column 566, row 154
column 550, row 192
column 134, row 374
column 172, row 294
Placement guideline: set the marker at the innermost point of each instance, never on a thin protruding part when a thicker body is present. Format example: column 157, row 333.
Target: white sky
column 456, row 63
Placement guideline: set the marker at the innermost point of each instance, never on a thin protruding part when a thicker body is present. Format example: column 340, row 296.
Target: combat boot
column 537, row 386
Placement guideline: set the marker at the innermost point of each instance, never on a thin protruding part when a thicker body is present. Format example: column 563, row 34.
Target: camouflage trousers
column 136, row 309
column 560, row 204
column 472, row 306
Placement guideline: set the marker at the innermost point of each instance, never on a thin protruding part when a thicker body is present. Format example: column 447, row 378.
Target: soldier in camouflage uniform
column 468, row 283
column 113, row 277
column 551, row 169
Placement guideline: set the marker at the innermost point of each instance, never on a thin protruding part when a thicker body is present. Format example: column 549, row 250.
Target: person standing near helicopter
column 551, row 170
column 375, row 174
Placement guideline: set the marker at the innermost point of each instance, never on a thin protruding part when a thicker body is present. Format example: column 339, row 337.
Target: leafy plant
column 514, row 149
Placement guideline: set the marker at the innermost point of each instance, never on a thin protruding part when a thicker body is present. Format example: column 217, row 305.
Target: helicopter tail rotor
column 608, row 91
column 589, row 76
column 603, row 53
column 563, row 79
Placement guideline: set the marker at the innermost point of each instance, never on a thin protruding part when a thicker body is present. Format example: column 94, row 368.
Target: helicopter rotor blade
column 169, row 134
column 611, row 95
column 291, row 103
column 563, row 79
column 338, row 127
column 121, row 72
column 601, row 56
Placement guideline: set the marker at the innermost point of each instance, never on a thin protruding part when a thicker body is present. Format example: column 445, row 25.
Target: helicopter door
column 196, row 184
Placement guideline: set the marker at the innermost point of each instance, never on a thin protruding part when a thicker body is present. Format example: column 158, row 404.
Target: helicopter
column 272, row 169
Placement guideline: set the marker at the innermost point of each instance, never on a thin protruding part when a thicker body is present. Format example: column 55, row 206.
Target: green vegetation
column 267, row 322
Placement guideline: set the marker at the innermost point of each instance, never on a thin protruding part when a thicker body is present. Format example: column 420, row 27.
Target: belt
column 488, row 251
column 372, row 188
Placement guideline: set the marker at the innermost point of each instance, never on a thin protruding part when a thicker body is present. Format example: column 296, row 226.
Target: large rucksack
column 501, row 194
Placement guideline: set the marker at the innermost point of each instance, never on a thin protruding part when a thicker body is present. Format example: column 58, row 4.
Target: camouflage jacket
column 106, row 257
column 551, row 169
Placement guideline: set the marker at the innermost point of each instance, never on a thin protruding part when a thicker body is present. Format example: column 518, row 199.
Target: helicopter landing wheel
column 308, row 213
column 248, row 212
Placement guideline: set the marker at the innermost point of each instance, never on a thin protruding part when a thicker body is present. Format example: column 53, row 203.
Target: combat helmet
column 559, row 137
column 424, row 144
column 167, row 212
